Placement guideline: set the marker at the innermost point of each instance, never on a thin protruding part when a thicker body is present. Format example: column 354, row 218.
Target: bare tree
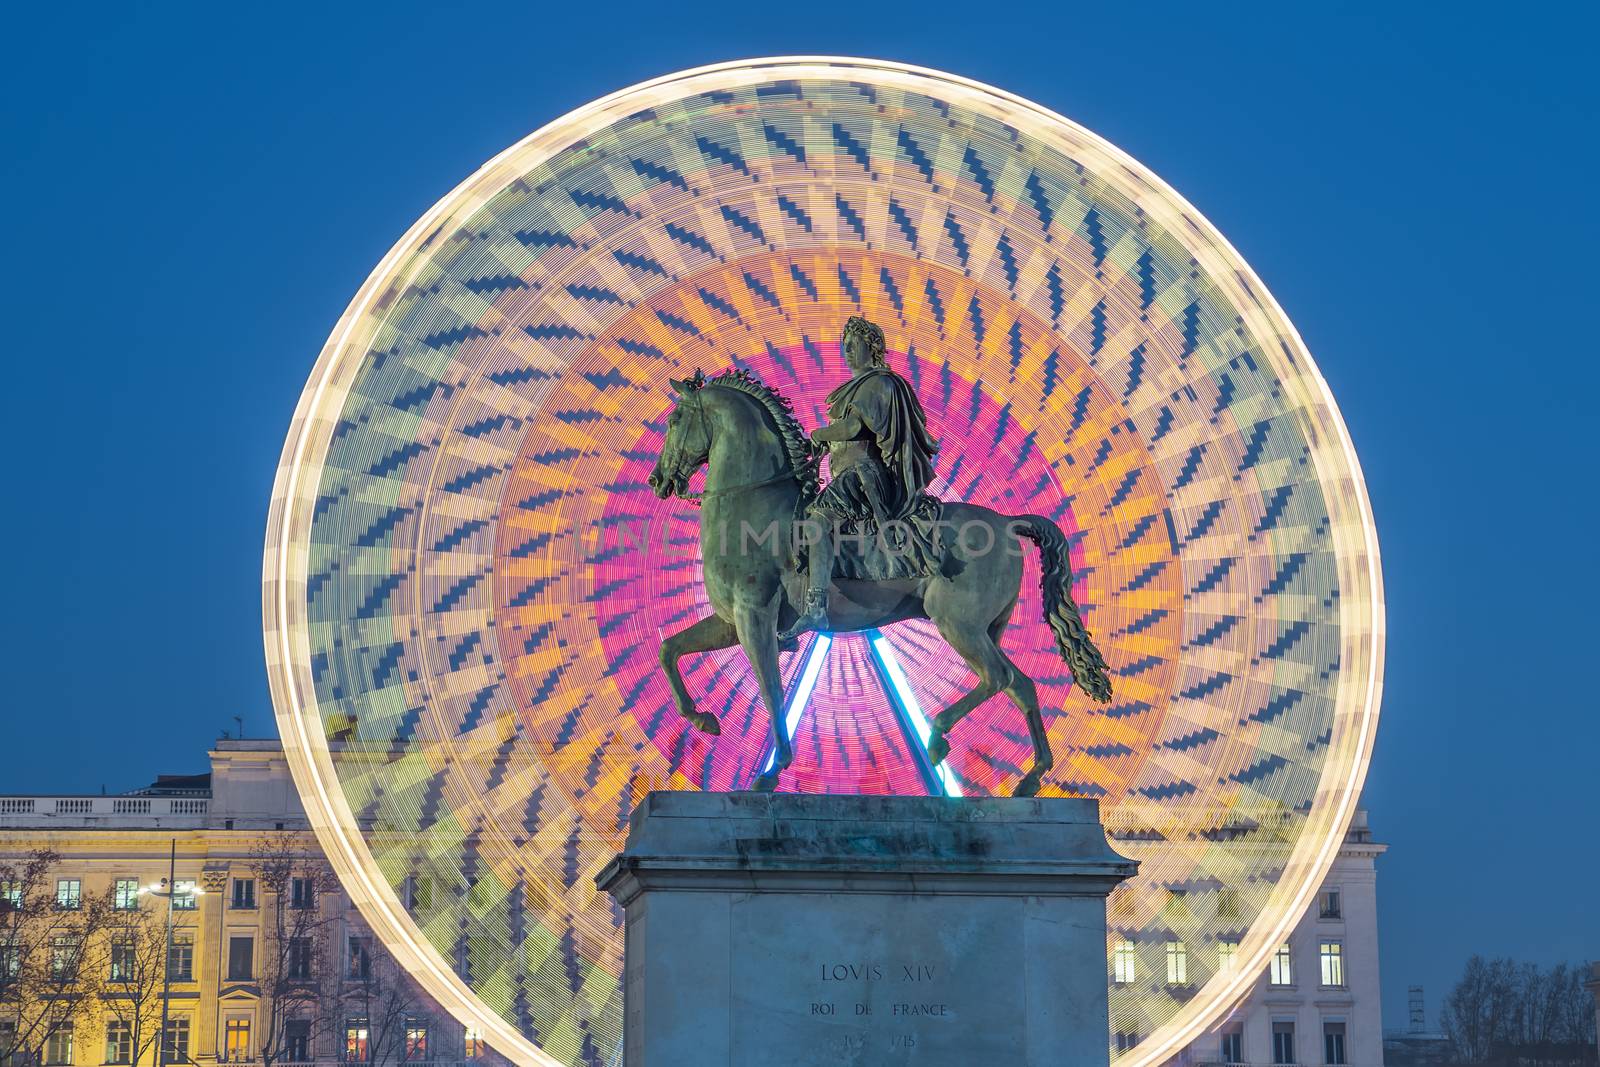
column 1502, row 1011
column 380, row 999
column 136, row 958
column 296, row 969
column 50, row 963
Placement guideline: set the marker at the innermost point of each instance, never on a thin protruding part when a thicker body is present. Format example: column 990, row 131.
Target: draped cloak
column 888, row 486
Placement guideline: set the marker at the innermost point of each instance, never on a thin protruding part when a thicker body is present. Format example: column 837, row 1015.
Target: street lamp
column 167, row 888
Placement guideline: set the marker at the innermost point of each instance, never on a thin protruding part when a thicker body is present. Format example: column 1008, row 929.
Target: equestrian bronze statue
column 781, row 555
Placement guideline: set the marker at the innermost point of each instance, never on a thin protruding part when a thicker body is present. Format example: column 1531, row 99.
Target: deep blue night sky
column 193, row 196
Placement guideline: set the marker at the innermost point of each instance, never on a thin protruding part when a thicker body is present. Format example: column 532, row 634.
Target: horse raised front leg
column 758, row 637
column 711, row 632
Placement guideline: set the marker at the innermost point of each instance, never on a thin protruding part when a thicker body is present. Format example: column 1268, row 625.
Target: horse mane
column 796, row 442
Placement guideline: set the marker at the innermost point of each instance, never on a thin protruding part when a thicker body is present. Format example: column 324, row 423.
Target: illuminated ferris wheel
column 467, row 577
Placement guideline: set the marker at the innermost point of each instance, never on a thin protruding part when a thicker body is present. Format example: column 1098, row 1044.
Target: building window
column 11, row 897
column 244, row 893
column 10, row 960
column 1328, row 905
column 58, row 1046
column 300, row 959
column 355, row 1040
column 241, row 959
column 1125, row 968
column 185, row 895
column 1126, row 1039
column 1227, row 955
column 297, row 1040
column 119, row 1041
column 177, row 1043
column 236, row 1041
column 1228, row 904
column 1177, row 963
column 360, row 958
column 1232, row 1050
column 416, row 1039
column 1281, row 972
column 1283, row 1042
column 302, row 894
column 416, row 893
column 125, row 894
column 1332, row 956
column 1333, row 1043
column 124, row 960
column 64, row 956
column 472, row 1046
column 69, row 894
column 180, row 958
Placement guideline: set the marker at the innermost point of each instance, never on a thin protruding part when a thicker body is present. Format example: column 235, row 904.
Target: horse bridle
column 789, row 470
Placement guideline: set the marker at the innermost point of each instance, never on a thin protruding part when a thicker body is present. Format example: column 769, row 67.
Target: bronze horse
column 761, row 466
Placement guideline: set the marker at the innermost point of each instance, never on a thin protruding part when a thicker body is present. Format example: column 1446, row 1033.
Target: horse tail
column 1060, row 611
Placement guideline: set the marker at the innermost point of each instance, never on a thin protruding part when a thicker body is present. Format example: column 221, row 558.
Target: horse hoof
column 938, row 749
column 705, row 722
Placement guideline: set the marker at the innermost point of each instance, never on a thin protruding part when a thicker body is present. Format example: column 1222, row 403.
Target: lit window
column 1177, row 963
column 472, row 1044
column 244, row 893
column 1232, row 1050
column 355, row 1041
column 69, row 894
column 236, row 1041
column 119, row 1041
column 360, row 958
column 58, row 1046
column 124, row 960
column 64, row 957
column 1333, row 1043
column 1283, row 1042
column 241, row 959
column 180, row 958
column 1332, row 955
column 1281, row 972
column 1227, row 955
column 185, row 895
column 1123, row 958
column 416, row 1040
column 1328, row 904
column 125, row 894
column 177, row 1043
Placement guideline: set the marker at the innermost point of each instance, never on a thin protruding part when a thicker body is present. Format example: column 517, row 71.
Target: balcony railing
column 21, row 811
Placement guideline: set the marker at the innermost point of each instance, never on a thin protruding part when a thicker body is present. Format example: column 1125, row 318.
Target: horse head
column 687, row 447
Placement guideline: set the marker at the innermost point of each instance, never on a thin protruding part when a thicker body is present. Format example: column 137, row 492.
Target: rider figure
column 880, row 457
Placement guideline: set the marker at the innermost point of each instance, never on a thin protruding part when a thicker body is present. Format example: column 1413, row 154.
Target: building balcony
column 62, row 812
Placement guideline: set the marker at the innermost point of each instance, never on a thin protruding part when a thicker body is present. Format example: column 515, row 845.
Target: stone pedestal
column 802, row 930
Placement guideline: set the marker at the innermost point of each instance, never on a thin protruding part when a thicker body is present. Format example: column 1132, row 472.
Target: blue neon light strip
column 800, row 695
column 920, row 731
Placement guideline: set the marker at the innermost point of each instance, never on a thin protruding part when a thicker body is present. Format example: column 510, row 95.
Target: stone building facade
column 1318, row 1002
column 207, row 828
